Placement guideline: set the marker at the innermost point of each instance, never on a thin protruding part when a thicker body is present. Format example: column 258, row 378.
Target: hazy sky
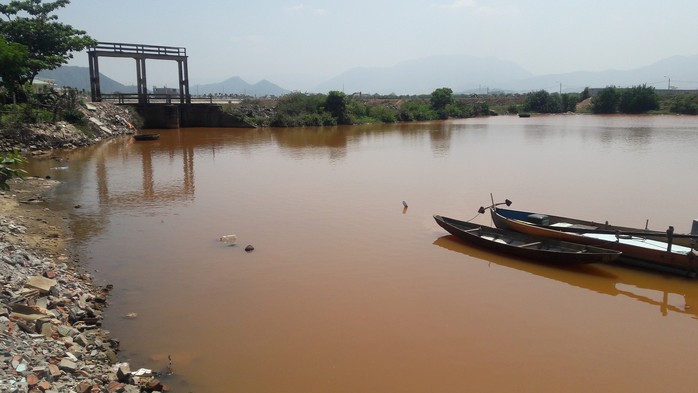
column 300, row 43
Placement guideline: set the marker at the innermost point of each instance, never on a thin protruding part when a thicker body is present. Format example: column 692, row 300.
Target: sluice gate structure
column 159, row 111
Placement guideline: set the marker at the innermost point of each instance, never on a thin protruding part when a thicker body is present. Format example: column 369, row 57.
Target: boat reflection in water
column 670, row 294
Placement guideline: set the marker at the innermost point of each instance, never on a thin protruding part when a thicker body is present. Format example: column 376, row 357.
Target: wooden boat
column 653, row 249
column 524, row 114
column 527, row 246
column 146, row 137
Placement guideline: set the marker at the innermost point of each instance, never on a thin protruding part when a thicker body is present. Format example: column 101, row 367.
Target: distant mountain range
column 236, row 85
column 79, row 78
column 460, row 73
column 467, row 74
column 463, row 74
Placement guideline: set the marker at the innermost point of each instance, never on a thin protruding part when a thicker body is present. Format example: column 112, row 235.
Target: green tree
column 569, row 102
column 686, row 104
column 13, row 64
column 543, row 102
column 638, row 99
column 440, row 99
column 295, row 109
column 412, row 110
column 605, row 101
column 49, row 43
column 382, row 113
column 336, row 104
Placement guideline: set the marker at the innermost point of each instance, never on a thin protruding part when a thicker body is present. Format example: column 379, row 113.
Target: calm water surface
column 346, row 291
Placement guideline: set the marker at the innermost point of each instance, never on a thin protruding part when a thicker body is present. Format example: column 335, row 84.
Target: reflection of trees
column 90, row 173
column 333, row 141
column 440, row 139
column 645, row 287
column 301, row 142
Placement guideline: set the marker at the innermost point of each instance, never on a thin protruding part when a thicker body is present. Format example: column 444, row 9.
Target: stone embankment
column 103, row 121
column 51, row 335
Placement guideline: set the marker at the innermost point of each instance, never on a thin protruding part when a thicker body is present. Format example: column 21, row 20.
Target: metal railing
column 132, row 98
column 141, row 49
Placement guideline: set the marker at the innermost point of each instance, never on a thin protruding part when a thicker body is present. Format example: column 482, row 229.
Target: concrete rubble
column 51, row 339
column 51, row 336
column 104, row 121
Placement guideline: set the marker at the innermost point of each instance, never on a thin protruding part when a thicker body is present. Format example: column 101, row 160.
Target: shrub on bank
column 685, row 104
column 634, row 100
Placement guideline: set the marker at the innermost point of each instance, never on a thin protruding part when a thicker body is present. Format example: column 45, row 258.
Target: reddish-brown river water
column 347, row 291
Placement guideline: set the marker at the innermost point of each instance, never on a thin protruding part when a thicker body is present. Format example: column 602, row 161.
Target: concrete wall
column 185, row 116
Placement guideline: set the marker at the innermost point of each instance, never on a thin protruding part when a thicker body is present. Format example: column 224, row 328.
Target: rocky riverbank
column 102, row 121
column 51, row 335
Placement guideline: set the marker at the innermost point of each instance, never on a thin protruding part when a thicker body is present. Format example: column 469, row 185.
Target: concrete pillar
column 94, row 77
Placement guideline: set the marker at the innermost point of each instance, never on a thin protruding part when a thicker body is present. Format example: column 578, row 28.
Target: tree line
column 337, row 108
column 610, row 100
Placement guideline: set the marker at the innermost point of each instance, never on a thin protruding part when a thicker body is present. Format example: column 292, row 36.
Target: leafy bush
column 382, row 114
column 480, row 109
column 73, row 116
column 7, row 171
column 295, row 104
column 543, row 102
column 417, row 111
column 638, row 99
column 569, row 102
column 686, row 104
column 606, row 101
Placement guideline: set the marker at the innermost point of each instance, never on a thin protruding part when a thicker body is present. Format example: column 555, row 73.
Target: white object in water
column 230, row 239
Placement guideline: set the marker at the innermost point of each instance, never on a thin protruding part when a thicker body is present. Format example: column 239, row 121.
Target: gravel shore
column 51, row 335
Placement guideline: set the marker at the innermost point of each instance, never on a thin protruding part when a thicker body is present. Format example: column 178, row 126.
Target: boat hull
column 531, row 247
column 649, row 250
column 146, row 137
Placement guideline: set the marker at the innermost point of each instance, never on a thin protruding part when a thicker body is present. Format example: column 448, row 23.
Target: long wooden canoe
column 654, row 249
column 532, row 247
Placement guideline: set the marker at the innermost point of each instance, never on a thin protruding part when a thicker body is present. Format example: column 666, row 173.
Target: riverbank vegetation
column 336, row 108
column 33, row 40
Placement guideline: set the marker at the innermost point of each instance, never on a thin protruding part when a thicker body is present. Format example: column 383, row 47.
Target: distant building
column 42, row 85
column 166, row 91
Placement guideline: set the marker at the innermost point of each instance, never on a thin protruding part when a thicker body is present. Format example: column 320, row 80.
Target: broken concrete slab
column 43, row 284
